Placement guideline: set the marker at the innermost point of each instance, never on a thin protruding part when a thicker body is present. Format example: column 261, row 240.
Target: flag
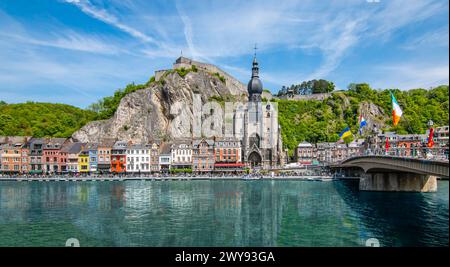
column 396, row 111
column 346, row 132
column 430, row 138
column 387, row 144
column 362, row 123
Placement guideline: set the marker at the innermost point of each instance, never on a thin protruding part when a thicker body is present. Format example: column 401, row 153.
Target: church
column 258, row 127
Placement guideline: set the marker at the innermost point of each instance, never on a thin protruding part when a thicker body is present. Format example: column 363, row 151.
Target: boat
column 251, row 177
column 326, row 178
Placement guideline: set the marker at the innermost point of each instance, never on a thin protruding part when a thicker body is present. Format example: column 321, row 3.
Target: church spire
column 255, row 68
column 254, row 86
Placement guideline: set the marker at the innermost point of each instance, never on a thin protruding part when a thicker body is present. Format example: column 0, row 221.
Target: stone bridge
column 386, row 173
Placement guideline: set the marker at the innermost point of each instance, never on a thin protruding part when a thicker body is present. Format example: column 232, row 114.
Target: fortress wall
column 319, row 97
column 210, row 68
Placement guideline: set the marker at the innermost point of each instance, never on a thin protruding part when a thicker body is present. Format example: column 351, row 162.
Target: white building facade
column 138, row 158
column 181, row 155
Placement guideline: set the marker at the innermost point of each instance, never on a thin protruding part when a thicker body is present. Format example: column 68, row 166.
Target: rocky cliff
column 145, row 114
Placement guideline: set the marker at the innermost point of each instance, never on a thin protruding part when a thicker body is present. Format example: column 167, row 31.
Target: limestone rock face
column 145, row 114
column 373, row 114
column 267, row 95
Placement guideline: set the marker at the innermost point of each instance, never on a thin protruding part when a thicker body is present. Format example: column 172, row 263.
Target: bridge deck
column 397, row 164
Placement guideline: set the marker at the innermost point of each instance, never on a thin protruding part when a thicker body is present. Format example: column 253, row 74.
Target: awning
column 229, row 165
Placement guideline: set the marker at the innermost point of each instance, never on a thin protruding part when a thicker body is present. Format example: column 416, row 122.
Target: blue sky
column 77, row 51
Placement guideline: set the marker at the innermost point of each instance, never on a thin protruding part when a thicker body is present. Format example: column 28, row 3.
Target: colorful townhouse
column 36, row 147
column 83, row 160
column 93, row 157
column 165, row 158
column 227, row 154
column 138, row 158
column 104, row 155
column 119, row 157
column 306, row 154
column 14, row 158
column 73, row 150
column 54, row 160
column 181, row 155
column 203, row 155
column 154, row 155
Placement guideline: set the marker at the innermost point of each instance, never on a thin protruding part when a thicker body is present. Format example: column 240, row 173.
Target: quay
column 174, row 178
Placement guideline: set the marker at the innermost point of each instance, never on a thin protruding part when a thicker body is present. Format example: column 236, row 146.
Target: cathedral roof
column 255, row 85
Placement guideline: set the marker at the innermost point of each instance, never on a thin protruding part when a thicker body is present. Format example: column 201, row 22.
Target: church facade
column 257, row 126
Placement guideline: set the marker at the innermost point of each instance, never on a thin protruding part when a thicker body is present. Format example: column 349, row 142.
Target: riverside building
column 83, row 160
column 227, row 154
column 104, row 156
column 181, row 155
column 203, row 156
column 154, row 155
column 73, row 151
column 54, row 160
column 36, row 146
column 138, row 158
column 165, row 158
column 119, row 157
column 14, row 158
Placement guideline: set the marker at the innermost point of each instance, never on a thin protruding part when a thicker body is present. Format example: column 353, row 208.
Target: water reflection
column 401, row 219
column 217, row 213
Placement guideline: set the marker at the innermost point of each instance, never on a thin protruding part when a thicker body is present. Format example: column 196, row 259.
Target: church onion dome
column 255, row 85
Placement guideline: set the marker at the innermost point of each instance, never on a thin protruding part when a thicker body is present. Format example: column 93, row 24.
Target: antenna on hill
column 181, row 52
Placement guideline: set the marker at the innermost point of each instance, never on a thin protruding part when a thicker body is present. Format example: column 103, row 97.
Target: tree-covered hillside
column 322, row 121
column 42, row 119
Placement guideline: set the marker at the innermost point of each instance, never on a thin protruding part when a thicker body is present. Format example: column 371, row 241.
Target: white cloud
column 413, row 75
column 103, row 15
column 437, row 38
column 68, row 40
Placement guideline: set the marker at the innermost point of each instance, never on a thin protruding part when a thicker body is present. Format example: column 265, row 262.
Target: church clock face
column 268, row 107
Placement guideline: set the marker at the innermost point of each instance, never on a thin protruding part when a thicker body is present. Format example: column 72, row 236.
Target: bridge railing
column 435, row 153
